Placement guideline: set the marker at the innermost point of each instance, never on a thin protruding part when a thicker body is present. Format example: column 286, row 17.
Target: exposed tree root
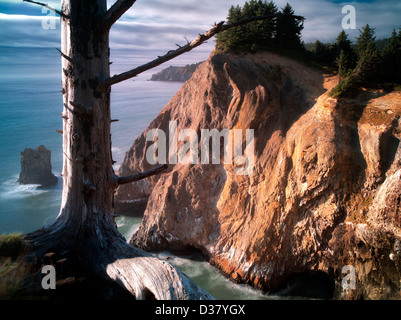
column 105, row 257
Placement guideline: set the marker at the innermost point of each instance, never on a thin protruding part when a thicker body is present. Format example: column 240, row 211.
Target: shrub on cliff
column 11, row 245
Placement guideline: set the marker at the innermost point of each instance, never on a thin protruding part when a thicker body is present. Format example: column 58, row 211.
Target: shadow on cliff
column 349, row 112
column 316, row 285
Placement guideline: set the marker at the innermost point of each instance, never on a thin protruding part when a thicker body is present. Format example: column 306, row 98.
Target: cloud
column 156, row 26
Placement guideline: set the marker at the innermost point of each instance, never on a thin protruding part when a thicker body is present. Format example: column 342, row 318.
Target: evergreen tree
column 343, row 43
column 320, row 52
column 368, row 65
column 288, row 31
column 260, row 34
column 365, row 41
column 391, row 59
column 231, row 39
column 344, row 54
column 343, row 64
column 265, row 30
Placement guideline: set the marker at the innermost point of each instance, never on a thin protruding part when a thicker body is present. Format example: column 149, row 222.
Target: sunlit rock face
column 324, row 193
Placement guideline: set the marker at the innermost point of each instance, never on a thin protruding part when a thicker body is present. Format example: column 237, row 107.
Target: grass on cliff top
column 11, row 245
column 13, row 266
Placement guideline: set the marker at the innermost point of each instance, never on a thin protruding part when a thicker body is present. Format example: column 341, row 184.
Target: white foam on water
column 210, row 279
column 11, row 189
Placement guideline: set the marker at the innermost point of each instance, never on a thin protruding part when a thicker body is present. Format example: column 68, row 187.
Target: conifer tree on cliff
column 345, row 55
column 84, row 233
column 391, row 57
column 367, row 68
column 251, row 36
column 288, row 31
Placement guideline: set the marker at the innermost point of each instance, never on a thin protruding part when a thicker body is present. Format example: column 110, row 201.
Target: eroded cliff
column 324, row 193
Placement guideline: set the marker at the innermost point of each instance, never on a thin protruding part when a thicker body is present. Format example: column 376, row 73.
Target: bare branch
column 64, row 56
column 61, row 14
column 141, row 175
column 189, row 46
column 116, row 11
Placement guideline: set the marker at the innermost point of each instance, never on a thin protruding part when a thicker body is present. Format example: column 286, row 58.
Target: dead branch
column 116, row 11
column 64, row 56
column 141, row 175
column 189, row 46
column 61, row 14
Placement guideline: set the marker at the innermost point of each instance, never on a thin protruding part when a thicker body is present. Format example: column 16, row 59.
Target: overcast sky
column 152, row 27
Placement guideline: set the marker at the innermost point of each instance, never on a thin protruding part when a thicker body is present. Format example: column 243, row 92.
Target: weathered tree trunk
column 85, row 232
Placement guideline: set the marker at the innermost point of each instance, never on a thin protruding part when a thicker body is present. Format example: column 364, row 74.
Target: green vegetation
column 281, row 32
column 13, row 267
column 368, row 63
column 12, row 245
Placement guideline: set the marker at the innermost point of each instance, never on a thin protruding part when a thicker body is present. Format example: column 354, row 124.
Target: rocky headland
column 323, row 201
column 173, row 73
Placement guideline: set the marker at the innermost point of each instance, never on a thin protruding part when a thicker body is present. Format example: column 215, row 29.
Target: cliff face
column 324, row 195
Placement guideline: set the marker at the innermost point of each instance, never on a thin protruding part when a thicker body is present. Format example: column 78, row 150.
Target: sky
column 153, row 27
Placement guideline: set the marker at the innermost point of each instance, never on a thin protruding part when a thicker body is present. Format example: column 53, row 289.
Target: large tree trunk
column 85, row 232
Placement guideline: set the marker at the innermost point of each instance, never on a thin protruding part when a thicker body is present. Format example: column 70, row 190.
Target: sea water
column 30, row 107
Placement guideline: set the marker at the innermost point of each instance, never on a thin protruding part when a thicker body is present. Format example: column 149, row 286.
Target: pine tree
column 343, row 43
column 320, row 51
column 368, row 65
column 365, row 41
column 288, row 31
column 260, row 34
column 231, row 39
column 265, row 30
column 343, row 64
column 391, row 59
column 345, row 56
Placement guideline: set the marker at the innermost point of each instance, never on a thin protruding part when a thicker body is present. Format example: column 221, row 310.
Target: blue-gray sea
column 30, row 107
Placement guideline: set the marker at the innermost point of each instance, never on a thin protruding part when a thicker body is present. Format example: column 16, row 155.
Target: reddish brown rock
column 324, row 193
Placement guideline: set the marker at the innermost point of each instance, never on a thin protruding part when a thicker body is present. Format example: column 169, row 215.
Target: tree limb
column 116, row 11
column 61, row 14
column 64, row 56
column 221, row 26
column 141, row 175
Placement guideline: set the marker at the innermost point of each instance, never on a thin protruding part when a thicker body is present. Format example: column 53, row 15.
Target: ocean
column 30, row 107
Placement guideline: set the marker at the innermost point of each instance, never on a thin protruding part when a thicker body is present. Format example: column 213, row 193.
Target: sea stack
column 36, row 167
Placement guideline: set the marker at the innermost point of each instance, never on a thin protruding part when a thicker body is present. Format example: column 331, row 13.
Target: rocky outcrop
column 324, row 196
column 36, row 167
column 180, row 74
